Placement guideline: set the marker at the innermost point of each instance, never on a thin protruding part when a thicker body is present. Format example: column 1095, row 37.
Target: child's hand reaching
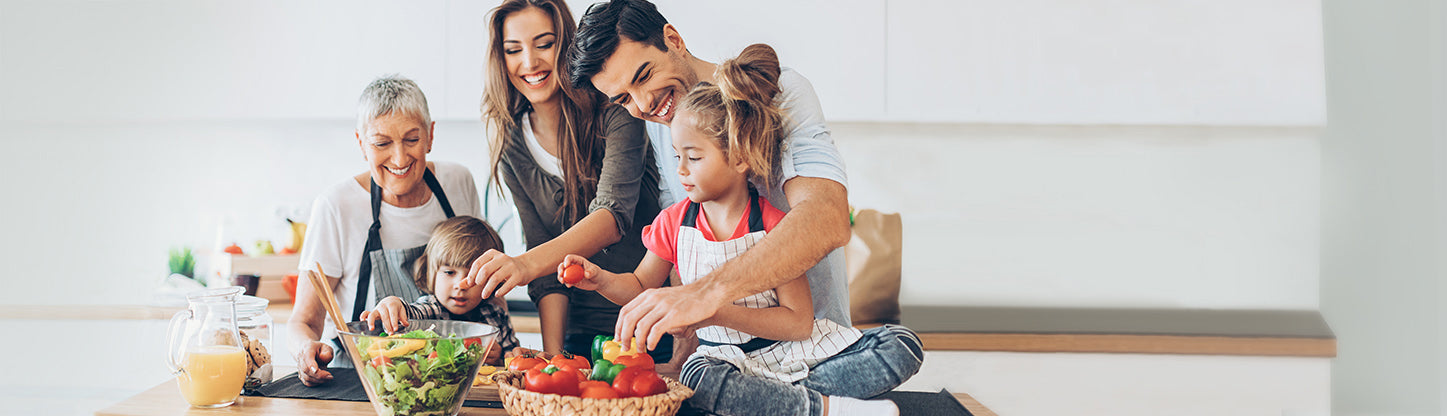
column 391, row 311
column 576, row 271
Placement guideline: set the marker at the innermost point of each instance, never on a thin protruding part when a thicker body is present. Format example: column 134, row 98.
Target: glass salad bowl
column 426, row 368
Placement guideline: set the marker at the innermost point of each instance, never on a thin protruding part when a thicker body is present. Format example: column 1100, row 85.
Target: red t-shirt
column 661, row 237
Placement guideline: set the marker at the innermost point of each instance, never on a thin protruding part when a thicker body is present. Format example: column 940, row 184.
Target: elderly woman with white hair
column 366, row 230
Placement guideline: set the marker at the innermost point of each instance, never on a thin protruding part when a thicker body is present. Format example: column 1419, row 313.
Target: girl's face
column 530, row 52
column 453, row 297
column 705, row 171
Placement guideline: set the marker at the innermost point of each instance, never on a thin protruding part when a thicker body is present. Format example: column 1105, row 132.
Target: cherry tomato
column 573, row 274
column 469, row 342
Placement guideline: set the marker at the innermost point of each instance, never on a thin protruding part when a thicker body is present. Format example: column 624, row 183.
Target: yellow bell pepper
column 394, row 347
column 612, row 349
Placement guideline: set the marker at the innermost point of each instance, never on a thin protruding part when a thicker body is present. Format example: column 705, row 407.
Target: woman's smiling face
column 530, row 51
column 395, row 146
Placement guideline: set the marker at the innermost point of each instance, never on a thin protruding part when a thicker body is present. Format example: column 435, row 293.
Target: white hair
column 391, row 93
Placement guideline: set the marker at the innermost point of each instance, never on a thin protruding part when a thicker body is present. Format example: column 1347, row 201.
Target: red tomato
column 535, row 381
column 648, row 384
column 573, row 274
column 583, row 386
column 564, row 380
column 525, row 362
column 233, row 249
column 469, row 342
column 595, row 392
column 640, row 361
column 380, row 361
column 576, row 361
column 623, row 383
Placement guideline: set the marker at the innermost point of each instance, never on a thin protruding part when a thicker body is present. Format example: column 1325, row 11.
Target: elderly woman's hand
column 311, row 364
column 500, row 272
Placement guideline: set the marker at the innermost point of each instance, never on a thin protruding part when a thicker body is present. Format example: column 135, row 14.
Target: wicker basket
column 519, row 402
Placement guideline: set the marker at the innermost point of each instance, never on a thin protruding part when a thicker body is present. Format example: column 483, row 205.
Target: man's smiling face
column 647, row 81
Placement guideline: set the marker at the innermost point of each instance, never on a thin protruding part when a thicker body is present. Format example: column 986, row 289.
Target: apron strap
column 374, row 238
column 756, row 214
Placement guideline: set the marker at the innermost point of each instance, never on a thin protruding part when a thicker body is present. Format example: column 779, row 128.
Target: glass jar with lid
column 256, row 325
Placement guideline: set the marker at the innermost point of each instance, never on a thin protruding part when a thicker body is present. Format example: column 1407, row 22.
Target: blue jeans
column 880, row 361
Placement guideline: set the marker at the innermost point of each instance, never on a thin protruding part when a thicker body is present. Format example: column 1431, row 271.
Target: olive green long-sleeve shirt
column 627, row 187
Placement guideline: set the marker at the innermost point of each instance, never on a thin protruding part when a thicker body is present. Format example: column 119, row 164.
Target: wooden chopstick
column 329, row 302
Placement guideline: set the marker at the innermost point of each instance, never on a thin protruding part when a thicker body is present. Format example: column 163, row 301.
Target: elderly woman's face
column 395, row 146
column 530, row 51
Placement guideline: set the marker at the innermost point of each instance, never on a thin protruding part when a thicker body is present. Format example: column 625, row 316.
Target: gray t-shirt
column 809, row 152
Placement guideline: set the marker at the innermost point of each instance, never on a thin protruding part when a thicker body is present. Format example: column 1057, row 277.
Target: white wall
column 1383, row 206
column 174, row 117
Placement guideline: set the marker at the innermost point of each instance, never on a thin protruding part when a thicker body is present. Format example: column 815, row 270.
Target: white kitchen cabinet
column 467, row 45
column 1225, row 62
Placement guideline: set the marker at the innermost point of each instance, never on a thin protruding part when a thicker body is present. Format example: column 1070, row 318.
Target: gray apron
column 390, row 270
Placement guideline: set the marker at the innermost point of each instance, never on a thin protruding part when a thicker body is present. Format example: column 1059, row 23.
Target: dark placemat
column 909, row 402
column 926, row 403
column 345, row 385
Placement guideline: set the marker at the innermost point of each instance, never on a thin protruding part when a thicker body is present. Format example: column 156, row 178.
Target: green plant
column 182, row 262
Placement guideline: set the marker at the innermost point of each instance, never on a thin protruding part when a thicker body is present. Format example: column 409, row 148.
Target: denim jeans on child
column 880, row 361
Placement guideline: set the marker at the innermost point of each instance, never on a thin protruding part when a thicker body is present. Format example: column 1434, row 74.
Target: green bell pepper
column 598, row 345
column 605, row 371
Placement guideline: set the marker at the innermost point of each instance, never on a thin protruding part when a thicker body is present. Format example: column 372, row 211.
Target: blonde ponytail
column 740, row 110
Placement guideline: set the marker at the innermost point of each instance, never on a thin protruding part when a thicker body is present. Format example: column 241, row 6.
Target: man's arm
column 817, row 224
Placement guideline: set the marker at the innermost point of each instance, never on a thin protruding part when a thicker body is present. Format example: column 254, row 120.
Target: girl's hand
column 591, row 272
column 391, row 311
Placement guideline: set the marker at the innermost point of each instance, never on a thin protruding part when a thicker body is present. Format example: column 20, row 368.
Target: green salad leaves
column 413, row 376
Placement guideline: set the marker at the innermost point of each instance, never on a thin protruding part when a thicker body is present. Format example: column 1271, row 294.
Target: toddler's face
column 456, row 299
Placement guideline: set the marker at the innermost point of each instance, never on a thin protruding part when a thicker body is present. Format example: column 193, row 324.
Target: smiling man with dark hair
column 628, row 51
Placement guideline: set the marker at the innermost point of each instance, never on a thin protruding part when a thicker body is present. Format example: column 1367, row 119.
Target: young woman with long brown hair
column 580, row 171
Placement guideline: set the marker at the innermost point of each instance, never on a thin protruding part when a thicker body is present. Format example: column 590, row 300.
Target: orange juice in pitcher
column 205, row 350
column 213, row 375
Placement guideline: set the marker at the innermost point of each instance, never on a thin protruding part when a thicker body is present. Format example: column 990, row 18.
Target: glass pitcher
column 204, row 350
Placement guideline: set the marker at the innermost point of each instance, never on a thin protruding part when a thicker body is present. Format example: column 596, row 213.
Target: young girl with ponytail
column 767, row 345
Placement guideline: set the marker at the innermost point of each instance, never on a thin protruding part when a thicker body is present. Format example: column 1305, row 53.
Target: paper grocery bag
column 872, row 260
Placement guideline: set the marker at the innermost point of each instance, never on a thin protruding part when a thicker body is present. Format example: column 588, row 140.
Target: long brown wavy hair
column 577, row 132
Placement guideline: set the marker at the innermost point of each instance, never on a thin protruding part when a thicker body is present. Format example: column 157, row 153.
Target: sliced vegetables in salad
column 413, row 375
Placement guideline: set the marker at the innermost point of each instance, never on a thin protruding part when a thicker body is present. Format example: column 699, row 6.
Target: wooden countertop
column 165, row 399
column 280, row 313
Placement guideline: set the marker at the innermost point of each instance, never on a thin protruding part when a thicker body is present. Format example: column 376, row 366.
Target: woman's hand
column 498, row 272
column 591, row 275
column 391, row 311
column 311, row 363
